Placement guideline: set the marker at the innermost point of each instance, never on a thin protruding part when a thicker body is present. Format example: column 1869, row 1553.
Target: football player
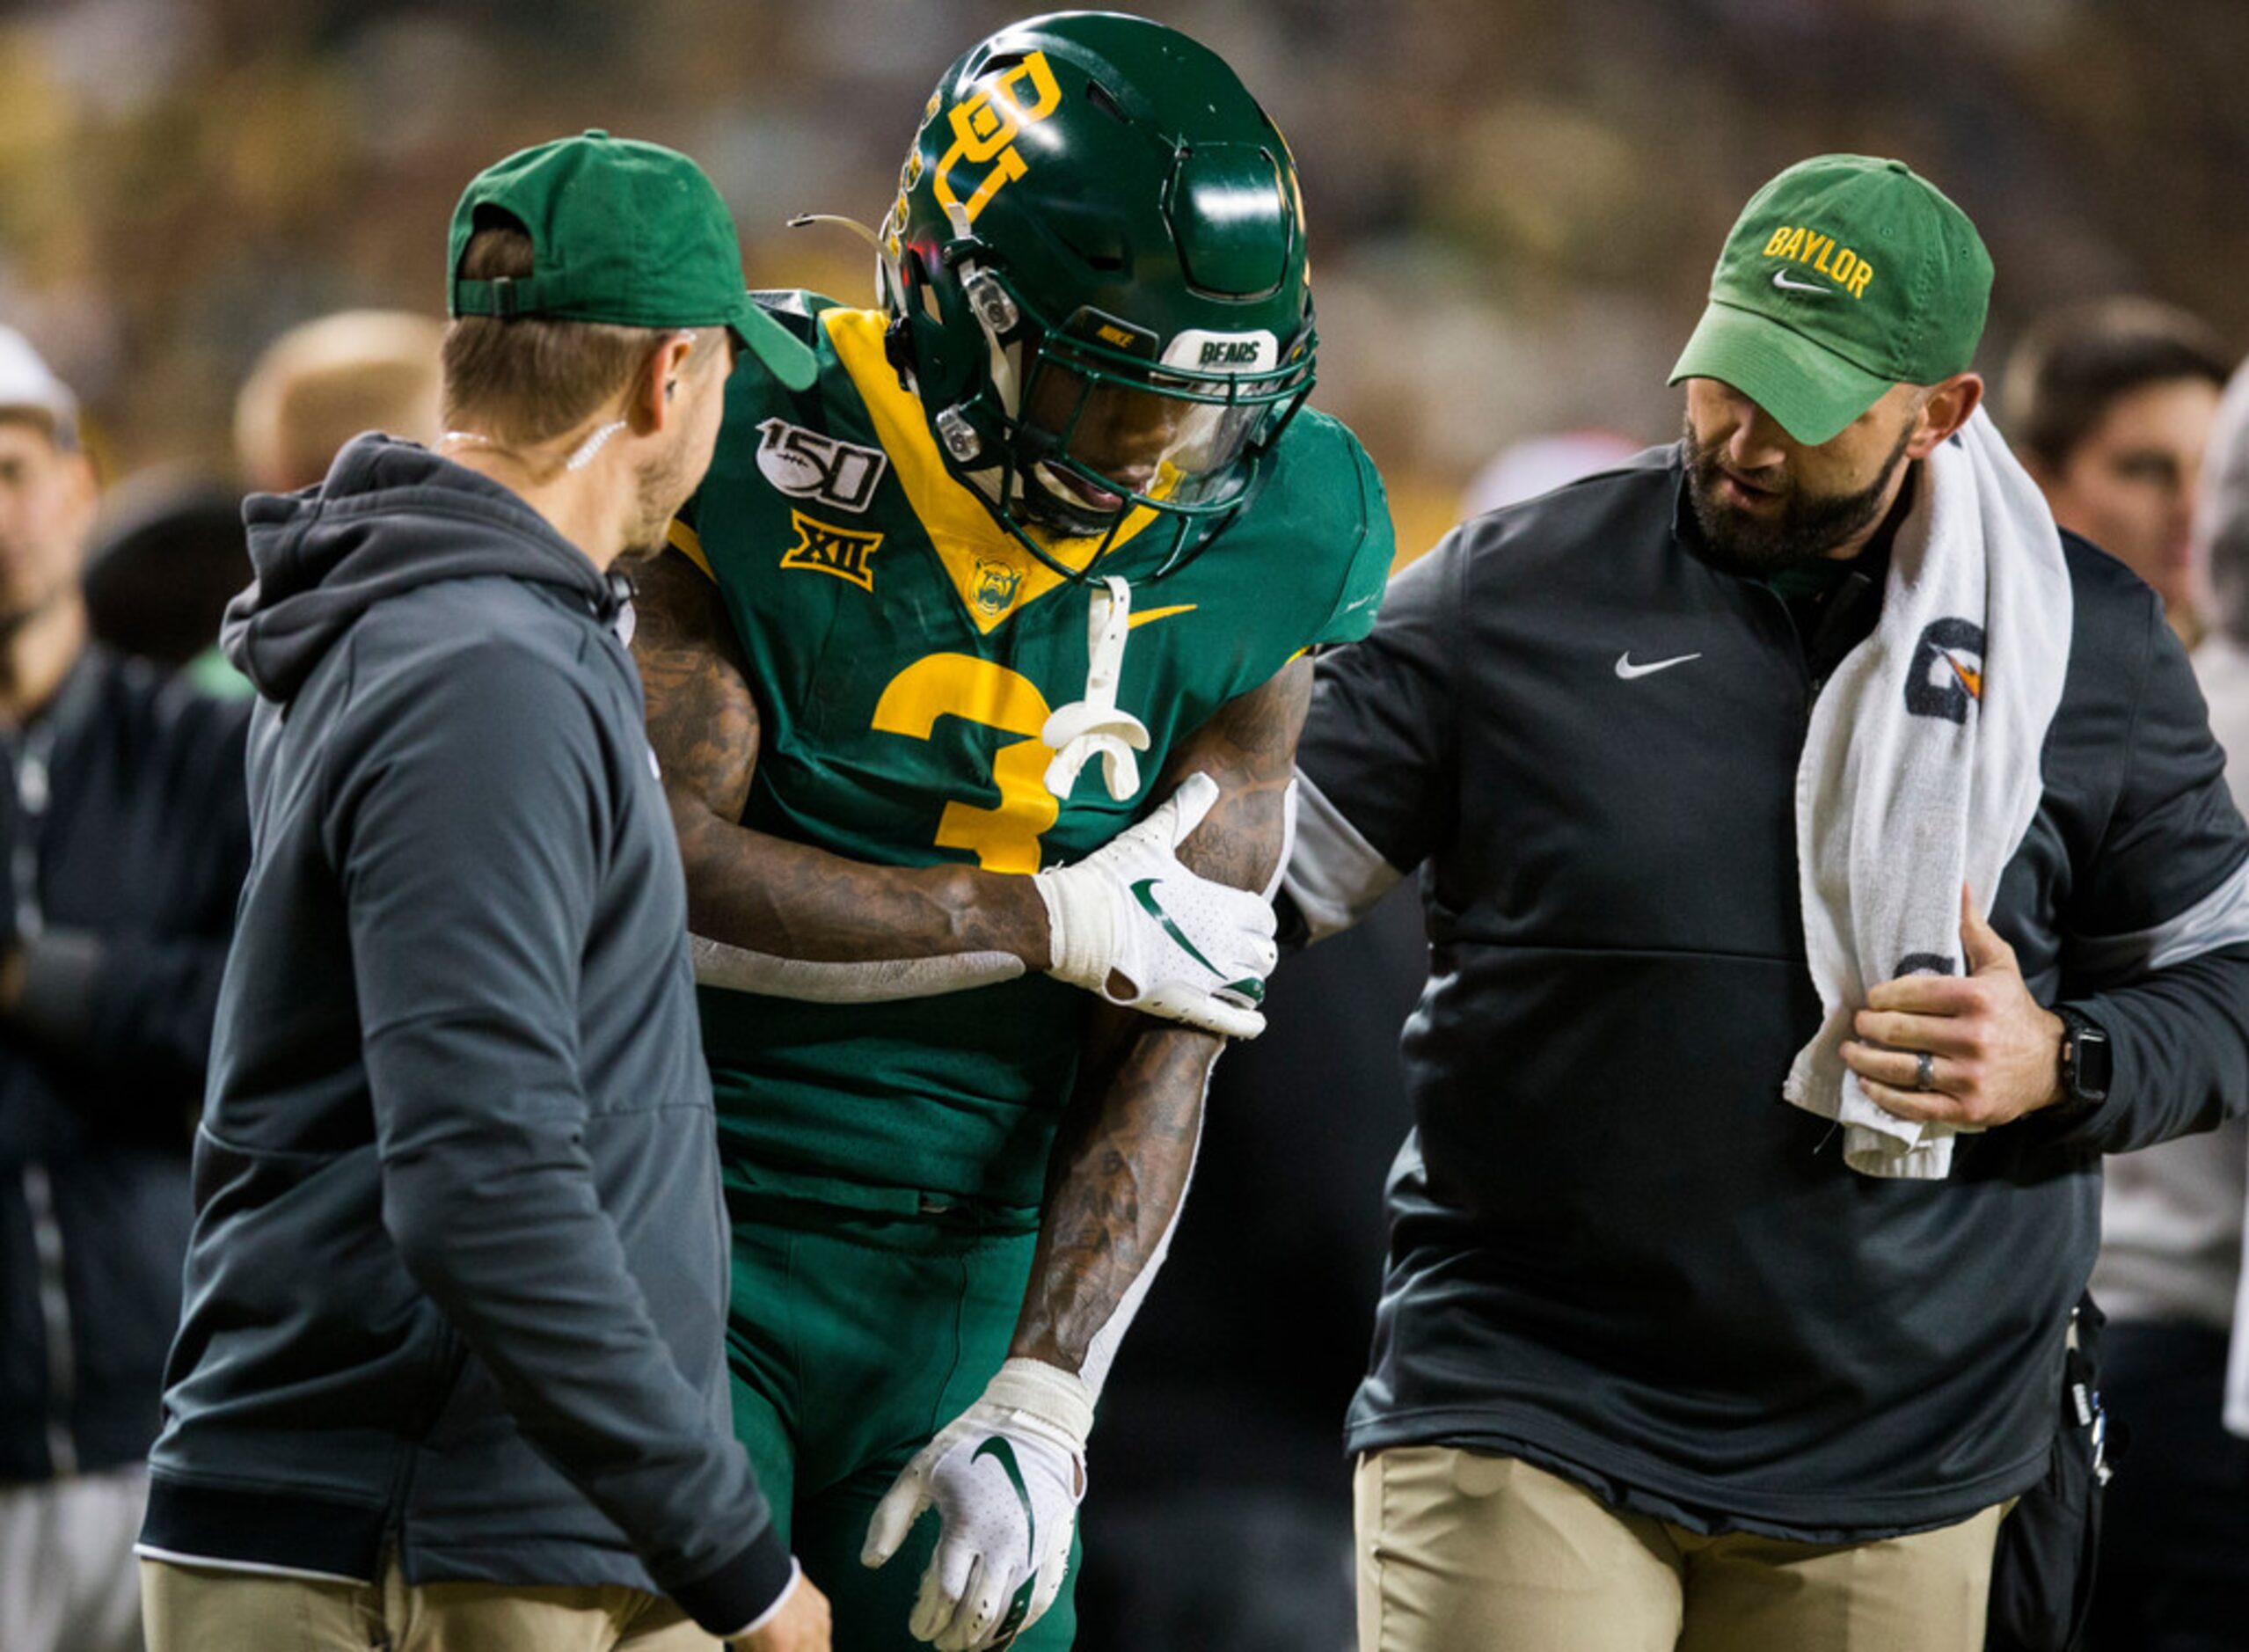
column 1025, row 583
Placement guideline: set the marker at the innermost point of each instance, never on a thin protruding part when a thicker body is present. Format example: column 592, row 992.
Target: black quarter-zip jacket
column 1615, row 1249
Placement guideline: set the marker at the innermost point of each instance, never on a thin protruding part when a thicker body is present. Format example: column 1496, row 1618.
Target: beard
column 1807, row 527
column 660, row 487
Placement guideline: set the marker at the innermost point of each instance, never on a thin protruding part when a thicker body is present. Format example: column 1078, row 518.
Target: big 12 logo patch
column 806, row 465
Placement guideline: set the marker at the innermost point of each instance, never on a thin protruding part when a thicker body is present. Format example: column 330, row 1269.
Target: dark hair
column 531, row 378
column 2073, row 363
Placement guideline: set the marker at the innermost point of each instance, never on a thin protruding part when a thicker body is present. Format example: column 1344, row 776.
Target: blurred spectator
column 1224, row 1518
column 2110, row 405
column 1539, row 464
column 124, row 830
column 169, row 554
column 322, row 383
column 2174, row 1574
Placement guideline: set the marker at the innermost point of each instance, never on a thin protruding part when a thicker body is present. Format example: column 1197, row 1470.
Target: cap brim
column 1812, row 393
column 785, row 356
column 57, row 420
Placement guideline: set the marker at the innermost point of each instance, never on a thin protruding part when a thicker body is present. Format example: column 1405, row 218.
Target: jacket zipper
column 30, row 774
column 1806, row 684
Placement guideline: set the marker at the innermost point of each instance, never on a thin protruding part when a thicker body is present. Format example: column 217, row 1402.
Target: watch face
column 2089, row 1064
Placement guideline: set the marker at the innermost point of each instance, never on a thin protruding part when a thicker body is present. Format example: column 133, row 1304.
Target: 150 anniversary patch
column 805, row 464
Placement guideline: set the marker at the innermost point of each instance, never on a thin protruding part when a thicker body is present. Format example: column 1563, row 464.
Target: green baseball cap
column 623, row 232
column 1842, row 277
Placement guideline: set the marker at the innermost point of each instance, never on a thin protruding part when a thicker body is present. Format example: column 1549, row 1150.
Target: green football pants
column 851, row 1339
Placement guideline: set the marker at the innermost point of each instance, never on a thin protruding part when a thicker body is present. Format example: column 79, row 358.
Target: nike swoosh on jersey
column 1140, row 892
column 1780, row 279
column 1150, row 616
column 1627, row 670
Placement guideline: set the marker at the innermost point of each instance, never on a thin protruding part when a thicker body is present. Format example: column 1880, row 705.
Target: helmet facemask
column 1096, row 272
column 1081, row 425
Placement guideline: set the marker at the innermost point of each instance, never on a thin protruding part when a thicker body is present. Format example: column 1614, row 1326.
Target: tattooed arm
column 1128, row 1139
column 1113, row 1190
column 750, row 889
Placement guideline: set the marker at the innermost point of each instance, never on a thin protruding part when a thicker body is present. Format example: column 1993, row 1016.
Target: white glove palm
column 1134, row 925
column 1005, row 1483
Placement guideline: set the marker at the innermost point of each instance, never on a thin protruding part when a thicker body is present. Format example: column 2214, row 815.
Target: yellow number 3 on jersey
column 1006, row 838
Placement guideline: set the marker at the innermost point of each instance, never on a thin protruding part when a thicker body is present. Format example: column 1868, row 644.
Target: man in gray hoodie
column 449, row 1372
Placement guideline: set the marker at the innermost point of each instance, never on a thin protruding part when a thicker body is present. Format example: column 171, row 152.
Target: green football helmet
column 1097, row 278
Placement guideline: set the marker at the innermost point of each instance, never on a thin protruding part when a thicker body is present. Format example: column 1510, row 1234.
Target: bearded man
column 1827, row 860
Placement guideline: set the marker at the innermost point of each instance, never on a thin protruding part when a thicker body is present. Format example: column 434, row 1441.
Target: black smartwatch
column 2086, row 1066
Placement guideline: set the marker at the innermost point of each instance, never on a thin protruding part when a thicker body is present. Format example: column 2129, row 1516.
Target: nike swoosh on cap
column 1627, row 670
column 1780, row 279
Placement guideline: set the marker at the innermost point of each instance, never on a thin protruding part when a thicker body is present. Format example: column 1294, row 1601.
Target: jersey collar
column 992, row 575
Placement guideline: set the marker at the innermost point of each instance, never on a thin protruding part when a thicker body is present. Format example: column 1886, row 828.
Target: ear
column 655, row 400
column 1948, row 407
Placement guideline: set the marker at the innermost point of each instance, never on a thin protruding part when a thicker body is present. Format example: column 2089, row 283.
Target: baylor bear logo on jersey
column 996, row 585
column 806, row 465
column 838, row 551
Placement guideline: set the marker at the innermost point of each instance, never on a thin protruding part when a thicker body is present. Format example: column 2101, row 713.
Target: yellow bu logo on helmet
column 984, row 133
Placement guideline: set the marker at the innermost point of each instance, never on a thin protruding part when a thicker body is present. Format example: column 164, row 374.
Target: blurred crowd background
column 1515, row 204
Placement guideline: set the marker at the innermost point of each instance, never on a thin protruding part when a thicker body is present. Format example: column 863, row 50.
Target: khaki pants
column 1463, row 1552
column 197, row 1609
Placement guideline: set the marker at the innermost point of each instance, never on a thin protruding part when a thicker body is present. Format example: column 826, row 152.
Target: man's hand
column 1005, row 1478
column 1997, row 1051
column 800, row 1626
column 1132, row 923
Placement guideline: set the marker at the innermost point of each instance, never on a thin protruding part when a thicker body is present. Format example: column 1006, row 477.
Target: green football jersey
column 905, row 652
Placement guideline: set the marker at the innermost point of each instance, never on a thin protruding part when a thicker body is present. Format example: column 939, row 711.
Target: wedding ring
column 1925, row 1072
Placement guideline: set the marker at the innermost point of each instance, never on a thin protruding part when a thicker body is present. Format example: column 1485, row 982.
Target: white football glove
column 1005, row 1477
column 1132, row 923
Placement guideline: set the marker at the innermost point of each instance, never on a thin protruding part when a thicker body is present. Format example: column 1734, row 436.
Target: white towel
column 1920, row 769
